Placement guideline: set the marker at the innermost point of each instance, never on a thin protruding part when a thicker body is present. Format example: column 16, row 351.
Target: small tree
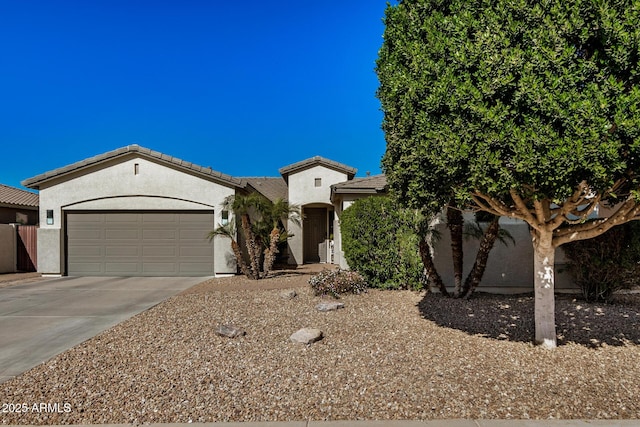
column 262, row 228
column 380, row 242
column 524, row 109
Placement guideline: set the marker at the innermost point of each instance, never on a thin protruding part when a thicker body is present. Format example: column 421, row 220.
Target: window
column 318, row 182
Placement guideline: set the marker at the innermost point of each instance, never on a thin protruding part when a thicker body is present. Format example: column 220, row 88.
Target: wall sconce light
column 49, row 216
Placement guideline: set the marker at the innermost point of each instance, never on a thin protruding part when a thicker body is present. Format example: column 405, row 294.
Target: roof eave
column 18, row 206
column 207, row 173
column 315, row 161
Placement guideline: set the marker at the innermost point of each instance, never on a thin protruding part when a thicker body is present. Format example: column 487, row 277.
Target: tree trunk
column 543, row 268
column 240, row 259
column 430, row 268
column 455, row 224
column 251, row 247
column 486, row 244
column 271, row 251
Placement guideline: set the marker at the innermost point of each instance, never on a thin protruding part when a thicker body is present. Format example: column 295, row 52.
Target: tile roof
column 155, row 155
column 17, row 197
column 317, row 160
column 370, row 184
column 271, row 188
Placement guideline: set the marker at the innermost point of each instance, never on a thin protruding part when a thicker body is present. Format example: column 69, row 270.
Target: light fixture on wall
column 49, row 216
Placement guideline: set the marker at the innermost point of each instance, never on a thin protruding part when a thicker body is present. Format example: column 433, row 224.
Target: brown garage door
column 139, row 243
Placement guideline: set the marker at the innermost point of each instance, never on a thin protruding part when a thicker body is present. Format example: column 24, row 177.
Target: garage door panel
column 159, row 251
column 139, row 243
column 117, row 268
column 194, row 268
column 121, row 234
column 160, row 233
column 122, row 251
column 87, row 268
column 195, row 234
column 85, row 234
column 167, row 269
column 88, row 218
column 86, row 251
column 191, row 251
column 155, row 217
column 122, row 217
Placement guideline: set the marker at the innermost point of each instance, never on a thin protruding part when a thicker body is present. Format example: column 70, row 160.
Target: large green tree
column 526, row 109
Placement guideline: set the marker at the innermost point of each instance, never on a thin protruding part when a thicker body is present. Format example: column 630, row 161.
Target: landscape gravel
column 385, row 355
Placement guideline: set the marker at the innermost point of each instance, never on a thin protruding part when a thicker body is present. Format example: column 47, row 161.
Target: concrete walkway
column 41, row 319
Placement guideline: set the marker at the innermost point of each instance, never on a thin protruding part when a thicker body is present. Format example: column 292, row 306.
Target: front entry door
column 314, row 232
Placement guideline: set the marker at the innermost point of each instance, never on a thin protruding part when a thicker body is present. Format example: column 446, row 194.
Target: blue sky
column 243, row 87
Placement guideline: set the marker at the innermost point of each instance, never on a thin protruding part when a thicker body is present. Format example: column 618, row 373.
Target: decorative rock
column 230, row 331
column 329, row 306
column 288, row 294
column 306, row 335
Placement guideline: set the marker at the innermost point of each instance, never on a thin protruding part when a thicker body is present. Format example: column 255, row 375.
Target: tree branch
column 490, row 205
column 525, row 213
column 628, row 211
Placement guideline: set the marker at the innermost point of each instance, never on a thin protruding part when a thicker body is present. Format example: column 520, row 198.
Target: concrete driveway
column 42, row 319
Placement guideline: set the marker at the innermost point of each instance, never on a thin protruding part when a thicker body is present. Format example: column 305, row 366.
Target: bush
column 607, row 263
column 336, row 282
column 379, row 241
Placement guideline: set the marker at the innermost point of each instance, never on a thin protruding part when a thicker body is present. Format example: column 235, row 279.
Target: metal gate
column 27, row 248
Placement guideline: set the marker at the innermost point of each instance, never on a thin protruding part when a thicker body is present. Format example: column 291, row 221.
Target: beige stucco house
column 137, row 212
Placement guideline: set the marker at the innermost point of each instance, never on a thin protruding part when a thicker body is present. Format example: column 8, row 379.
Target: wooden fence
column 27, row 248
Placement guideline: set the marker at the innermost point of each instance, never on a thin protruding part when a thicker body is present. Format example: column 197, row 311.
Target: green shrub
column 336, row 282
column 607, row 263
column 379, row 241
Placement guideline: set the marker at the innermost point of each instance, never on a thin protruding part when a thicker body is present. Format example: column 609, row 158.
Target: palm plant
column 276, row 213
column 229, row 231
column 261, row 225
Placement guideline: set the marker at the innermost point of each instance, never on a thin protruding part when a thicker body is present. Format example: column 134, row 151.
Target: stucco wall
column 7, row 248
column 116, row 185
column 509, row 268
column 50, row 251
column 303, row 192
column 302, row 189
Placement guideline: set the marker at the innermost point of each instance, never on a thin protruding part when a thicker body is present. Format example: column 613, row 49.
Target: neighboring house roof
column 314, row 161
column 370, row 185
column 15, row 197
column 271, row 188
column 189, row 167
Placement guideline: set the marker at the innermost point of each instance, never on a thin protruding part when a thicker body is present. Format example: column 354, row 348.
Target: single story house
column 18, row 206
column 137, row 212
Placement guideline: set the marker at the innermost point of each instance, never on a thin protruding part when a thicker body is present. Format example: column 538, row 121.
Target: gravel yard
column 386, row 355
